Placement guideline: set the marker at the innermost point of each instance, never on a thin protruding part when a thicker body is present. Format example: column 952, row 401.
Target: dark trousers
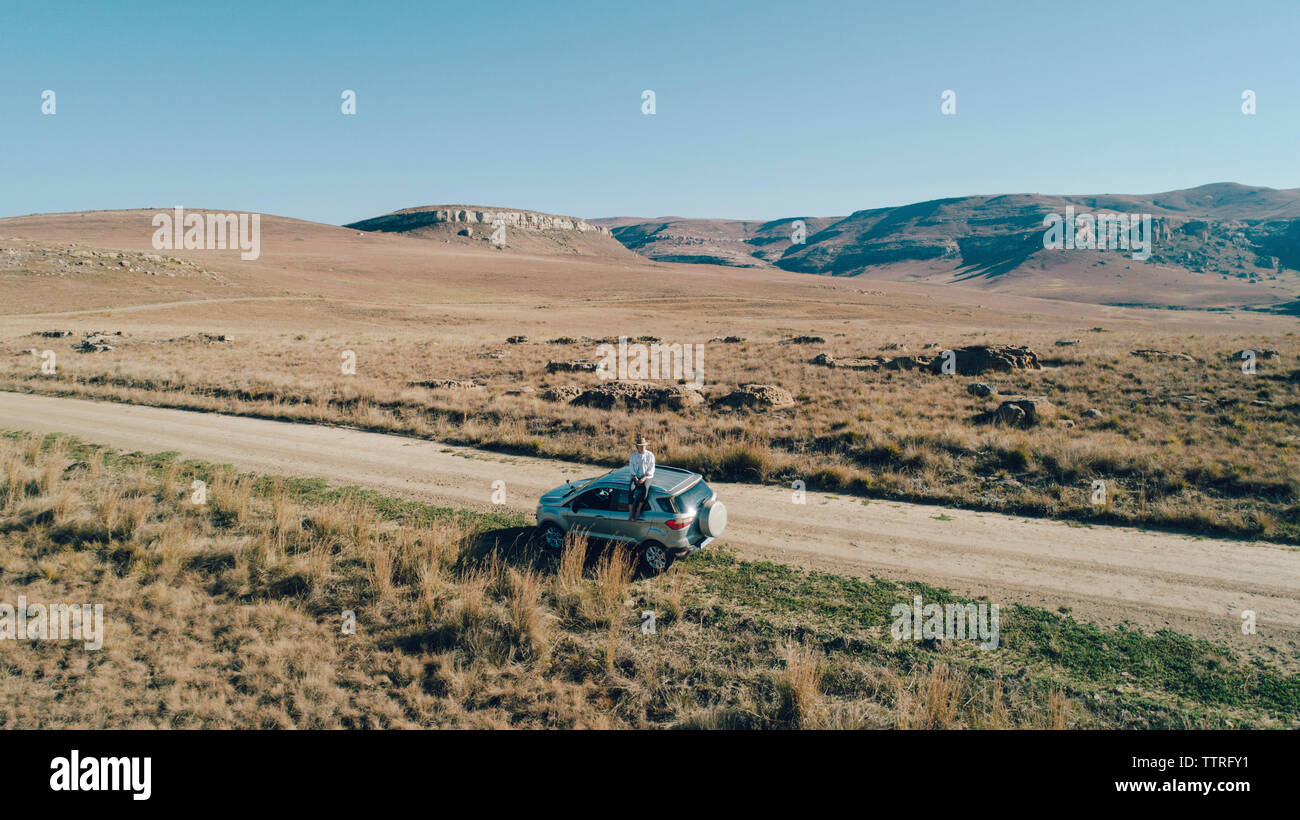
column 637, row 497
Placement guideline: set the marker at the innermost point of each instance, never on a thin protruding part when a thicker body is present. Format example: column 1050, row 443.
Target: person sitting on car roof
column 642, row 465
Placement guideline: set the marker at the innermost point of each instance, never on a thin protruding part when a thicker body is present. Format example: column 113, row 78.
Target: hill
column 524, row 231
column 1219, row 244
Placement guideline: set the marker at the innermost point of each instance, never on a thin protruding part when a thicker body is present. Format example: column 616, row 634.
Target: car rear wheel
column 655, row 557
column 552, row 537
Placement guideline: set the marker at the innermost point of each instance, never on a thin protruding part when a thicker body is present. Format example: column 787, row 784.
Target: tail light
column 680, row 525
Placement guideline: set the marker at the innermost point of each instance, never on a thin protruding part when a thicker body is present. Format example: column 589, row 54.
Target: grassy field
column 1190, row 445
column 231, row 613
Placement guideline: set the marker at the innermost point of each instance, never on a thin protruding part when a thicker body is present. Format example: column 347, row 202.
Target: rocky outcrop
column 564, row 393
column 94, row 343
column 973, row 360
column 1162, row 355
column 756, row 397
column 1259, row 353
column 967, row 361
column 410, row 218
column 627, row 395
column 444, row 384
column 574, row 366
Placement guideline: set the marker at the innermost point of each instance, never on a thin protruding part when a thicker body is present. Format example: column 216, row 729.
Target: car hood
column 560, row 493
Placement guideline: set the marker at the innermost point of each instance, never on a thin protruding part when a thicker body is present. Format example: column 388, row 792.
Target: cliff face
column 531, row 232
column 410, row 219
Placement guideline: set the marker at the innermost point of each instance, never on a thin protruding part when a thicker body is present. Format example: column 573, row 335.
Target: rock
column 1011, row 415
column 630, row 395
column 804, row 340
column 1260, row 353
column 563, row 340
column 206, row 338
column 94, row 343
column 973, row 360
column 564, row 393
column 756, row 397
column 1022, row 411
column 1161, row 355
column 444, row 384
column 1092, row 413
column 1066, row 423
column 827, row 360
column 54, row 334
column 574, row 366
column 469, row 232
column 979, row 389
column 728, row 340
column 1066, row 342
column 517, row 340
column 908, row 363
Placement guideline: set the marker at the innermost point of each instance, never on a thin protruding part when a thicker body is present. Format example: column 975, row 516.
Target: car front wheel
column 654, row 557
column 552, row 537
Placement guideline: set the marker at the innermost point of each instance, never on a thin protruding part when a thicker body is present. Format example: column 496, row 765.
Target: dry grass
column 1193, row 445
column 232, row 614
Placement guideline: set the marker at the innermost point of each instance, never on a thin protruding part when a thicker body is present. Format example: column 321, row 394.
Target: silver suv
column 681, row 514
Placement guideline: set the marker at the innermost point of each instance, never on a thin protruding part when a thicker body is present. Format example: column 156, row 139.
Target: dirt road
column 1107, row 574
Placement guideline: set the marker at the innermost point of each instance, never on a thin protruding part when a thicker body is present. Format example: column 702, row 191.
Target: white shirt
column 642, row 464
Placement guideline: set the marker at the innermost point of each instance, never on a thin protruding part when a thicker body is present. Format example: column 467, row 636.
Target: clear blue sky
column 764, row 109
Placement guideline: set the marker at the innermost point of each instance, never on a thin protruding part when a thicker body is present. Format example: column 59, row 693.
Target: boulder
column 564, row 393
column 974, row 360
column 827, row 360
column 1024, row 411
column 756, row 397
column 517, row 340
column 574, row 366
column 979, row 389
column 636, row 395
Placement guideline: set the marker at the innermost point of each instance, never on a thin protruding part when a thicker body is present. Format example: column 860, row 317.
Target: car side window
column 597, row 499
column 620, row 501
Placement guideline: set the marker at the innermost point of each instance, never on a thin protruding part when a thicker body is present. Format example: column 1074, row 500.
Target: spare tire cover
column 714, row 519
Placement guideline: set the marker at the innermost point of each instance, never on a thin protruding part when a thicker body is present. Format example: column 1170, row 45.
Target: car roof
column 667, row 480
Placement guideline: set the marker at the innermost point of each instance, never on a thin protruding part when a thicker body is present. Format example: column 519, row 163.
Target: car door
column 589, row 512
column 616, row 521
